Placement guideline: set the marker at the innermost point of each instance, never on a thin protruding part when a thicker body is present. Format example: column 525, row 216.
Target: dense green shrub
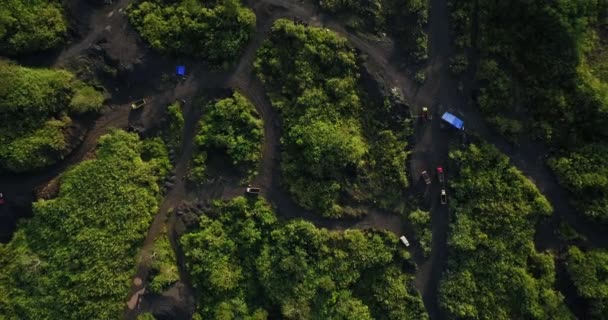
column 215, row 30
column 176, row 125
column 34, row 108
column 233, row 127
column 421, row 221
column 542, row 72
column 494, row 271
column 74, row 258
column 331, row 147
column 248, row 265
column 163, row 267
column 585, row 174
column 30, row 25
column 588, row 272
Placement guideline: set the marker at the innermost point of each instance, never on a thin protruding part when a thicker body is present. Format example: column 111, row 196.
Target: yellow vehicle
column 138, row 104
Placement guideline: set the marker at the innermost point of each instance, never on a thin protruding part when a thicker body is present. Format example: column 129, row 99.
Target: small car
column 426, row 177
column 404, row 240
column 253, row 190
column 1, row 198
column 440, row 174
column 443, row 197
column 138, row 104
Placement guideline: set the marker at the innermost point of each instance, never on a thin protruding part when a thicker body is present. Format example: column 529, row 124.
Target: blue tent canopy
column 453, row 120
column 180, row 70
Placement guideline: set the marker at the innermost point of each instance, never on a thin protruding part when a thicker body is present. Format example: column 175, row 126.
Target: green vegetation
column 74, row 258
column 493, row 269
column 229, row 126
column 34, row 109
column 404, row 20
column 585, row 173
column 332, row 149
column 30, row 25
column 589, row 272
column 163, row 267
column 216, row 30
column 146, row 316
column 248, row 265
column 535, row 66
column 421, row 221
column 175, row 131
column 543, row 72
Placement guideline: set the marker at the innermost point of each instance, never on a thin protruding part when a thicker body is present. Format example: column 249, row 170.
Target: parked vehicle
column 440, row 174
column 426, row 114
column 444, row 197
column 138, row 104
column 404, row 240
column 1, row 198
column 426, row 177
column 253, row 190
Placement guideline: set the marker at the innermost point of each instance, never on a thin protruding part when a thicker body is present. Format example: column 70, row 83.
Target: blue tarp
column 453, row 120
column 180, row 70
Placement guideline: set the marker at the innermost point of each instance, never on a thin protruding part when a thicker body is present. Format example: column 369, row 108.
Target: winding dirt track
column 431, row 148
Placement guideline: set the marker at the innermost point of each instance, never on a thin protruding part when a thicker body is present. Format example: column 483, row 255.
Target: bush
column 176, row 125
column 421, row 221
column 246, row 264
column 585, row 174
column 215, row 30
column 30, row 25
column 588, row 273
column 493, row 269
column 233, row 127
column 311, row 75
column 74, row 258
column 34, row 104
column 163, row 267
column 86, row 99
column 37, row 149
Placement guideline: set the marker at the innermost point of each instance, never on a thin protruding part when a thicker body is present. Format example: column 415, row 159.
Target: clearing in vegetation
column 248, row 265
column 35, row 110
column 74, row 258
column 336, row 147
column 217, row 31
column 494, row 271
column 230, row 127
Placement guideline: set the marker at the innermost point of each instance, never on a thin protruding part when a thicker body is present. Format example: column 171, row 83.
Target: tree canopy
column 334, row 145
column 494, row 271
column 233, row 127
column 585, row 173
column 30, row 25
column 247, row 264
column 588, row 271
column 542, row 73
column 74, row 258
column 217, row 30
column 35, row 109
